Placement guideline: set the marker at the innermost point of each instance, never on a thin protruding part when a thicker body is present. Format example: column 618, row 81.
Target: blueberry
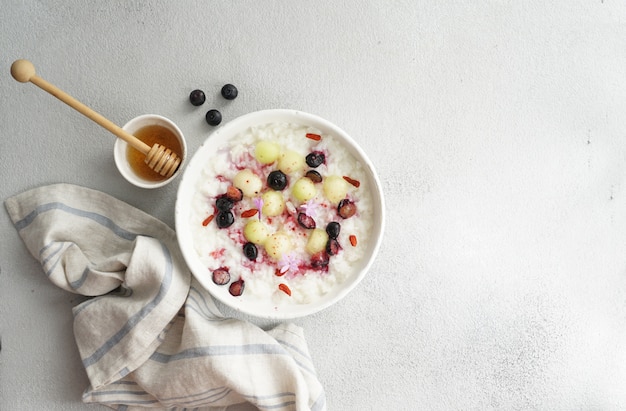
column 224, row 203
column 250, row 251
column 229, row 92
column 332, row 229
column 197, row 97
column 277, row 180
column 224, row 219
column 213, row 117
column 315, row 159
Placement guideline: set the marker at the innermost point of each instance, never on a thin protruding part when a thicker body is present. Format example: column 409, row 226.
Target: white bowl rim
column 186, row 189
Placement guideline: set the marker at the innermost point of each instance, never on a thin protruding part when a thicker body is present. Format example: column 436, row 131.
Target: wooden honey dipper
column 159, row 158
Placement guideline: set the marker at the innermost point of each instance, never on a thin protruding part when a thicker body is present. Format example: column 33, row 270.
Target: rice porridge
column 281, row 213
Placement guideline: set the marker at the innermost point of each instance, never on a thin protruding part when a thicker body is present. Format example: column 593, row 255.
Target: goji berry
column 284, row 288
column 352, row 181
column 208, row 220
column 249, row 213
column 352, row 239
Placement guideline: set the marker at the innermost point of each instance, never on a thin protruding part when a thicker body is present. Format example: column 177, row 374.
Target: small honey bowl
column 151, row 129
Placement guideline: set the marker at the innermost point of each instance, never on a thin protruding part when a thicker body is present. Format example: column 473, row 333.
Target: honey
column 151, row 135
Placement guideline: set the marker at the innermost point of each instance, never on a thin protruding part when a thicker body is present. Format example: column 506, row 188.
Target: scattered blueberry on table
column 213, row 117
column 197, row 97
column 229, row 92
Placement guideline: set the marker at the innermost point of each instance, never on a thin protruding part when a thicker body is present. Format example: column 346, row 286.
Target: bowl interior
column 187, row 189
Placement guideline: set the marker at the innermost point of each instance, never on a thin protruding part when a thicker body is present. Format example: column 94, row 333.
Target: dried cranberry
column 221, row 276
column 346, row 208
column 320, row 260
column 314, row 176
column 236, row 288
column 306, row 221
column 234, row 194
column 332, row 246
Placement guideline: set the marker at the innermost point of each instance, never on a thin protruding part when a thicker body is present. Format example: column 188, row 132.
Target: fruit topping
column 304, row 189
column 352, row 181
column 317, row 241
column 295, row 197
column 352, row 239
column 248, row 182
column 335, row 188
column 346, row 208
column 320, row 260
column 249, row 213
column 236, row 288
column 315, row 159
column 250, row 251
column 234, row 194
column 208, row 220
column 277, row 180
column 332, row 246
column 273, row 203
column 229, row 92
column 290, row 162
column 332, row 229
column 223, row 203
column 314, row 176
column 224, row 219
column 255, row 231
column 284, row 288
column 277, row 245
column 213, row 117
column 266, row 152
column 197, row 97
column 306, row 221
column 221, row 276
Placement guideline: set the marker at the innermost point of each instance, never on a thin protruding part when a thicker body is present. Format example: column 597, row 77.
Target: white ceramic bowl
column 120, row 148
column 186, row 192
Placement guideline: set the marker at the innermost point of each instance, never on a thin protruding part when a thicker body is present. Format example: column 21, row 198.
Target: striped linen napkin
column 151, row 336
